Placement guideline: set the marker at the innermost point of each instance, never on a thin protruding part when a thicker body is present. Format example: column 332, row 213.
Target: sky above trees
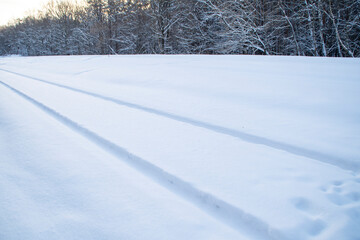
column 12, row 9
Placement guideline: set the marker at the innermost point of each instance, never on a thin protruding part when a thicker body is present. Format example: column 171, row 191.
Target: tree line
column 264, row 27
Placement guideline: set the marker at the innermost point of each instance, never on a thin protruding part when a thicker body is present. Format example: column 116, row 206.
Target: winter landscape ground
column 179, row 147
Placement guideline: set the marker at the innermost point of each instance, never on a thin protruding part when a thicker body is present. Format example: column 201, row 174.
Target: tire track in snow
column 295, row 150
column 213, row 206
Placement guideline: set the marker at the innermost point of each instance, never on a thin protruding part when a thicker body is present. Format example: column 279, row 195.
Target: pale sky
column 10, row 9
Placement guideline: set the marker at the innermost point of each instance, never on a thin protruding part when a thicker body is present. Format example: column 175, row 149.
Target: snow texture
column 179, row 147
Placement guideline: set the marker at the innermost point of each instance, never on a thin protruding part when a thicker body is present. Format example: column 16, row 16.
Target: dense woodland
column 274, row 27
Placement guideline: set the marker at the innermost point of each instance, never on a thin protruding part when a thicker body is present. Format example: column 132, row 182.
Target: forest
column 262, row 27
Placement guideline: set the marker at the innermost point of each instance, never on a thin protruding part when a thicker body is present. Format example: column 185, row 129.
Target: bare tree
column 305, row 27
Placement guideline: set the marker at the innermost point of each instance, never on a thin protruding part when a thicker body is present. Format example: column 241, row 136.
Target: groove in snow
column 295, row 150
column 217, row 208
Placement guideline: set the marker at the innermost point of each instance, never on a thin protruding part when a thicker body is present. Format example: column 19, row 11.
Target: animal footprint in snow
column 301, row 204
column 315, row 227
column 335, row 186
column 338, row 195
column 353, row 196
column 306, row 206
column 337, row 183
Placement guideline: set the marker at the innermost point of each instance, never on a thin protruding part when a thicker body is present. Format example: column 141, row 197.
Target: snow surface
column 179, row 147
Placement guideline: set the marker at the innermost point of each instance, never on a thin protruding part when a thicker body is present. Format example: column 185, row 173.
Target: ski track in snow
column 215, row 207
column 299, row 151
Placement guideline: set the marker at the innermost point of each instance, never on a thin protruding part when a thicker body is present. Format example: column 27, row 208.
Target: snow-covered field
column 179, row 147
